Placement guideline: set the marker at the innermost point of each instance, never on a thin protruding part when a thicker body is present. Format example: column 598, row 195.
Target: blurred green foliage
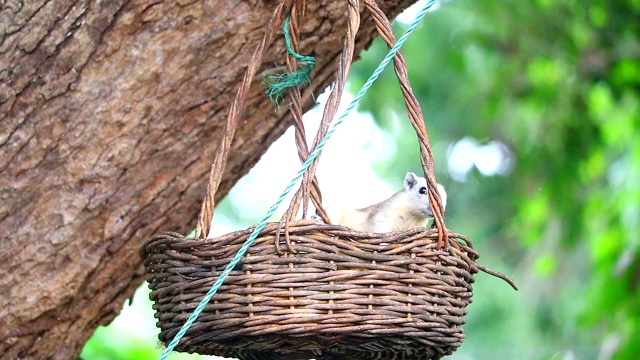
column 558, row 83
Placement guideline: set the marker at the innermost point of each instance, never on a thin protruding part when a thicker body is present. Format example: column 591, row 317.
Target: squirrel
column 407, row 209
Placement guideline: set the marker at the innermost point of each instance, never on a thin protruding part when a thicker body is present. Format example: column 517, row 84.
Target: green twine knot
column 279, row 84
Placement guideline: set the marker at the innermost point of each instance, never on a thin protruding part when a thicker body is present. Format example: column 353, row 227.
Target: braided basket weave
column 332, row 292
column 344, row 295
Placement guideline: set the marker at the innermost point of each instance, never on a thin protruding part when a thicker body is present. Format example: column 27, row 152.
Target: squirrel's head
column 418, row 195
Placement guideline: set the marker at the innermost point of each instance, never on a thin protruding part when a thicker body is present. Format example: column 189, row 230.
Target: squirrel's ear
column 410, row 181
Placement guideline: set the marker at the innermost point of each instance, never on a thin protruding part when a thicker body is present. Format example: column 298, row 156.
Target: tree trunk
column 110, row 113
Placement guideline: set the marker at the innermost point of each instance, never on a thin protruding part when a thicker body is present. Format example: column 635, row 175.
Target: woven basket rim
column 355, row 236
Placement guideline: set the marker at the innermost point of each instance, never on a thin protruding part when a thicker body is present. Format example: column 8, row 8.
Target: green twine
column 312, row 156
column 279, row 84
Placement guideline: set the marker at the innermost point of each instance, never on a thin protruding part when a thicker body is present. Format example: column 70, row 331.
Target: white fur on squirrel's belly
column 394, row 216
column 351, row 218
column 405, row 210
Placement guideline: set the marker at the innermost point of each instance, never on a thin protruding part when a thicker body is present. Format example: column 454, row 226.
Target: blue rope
column 312, row 156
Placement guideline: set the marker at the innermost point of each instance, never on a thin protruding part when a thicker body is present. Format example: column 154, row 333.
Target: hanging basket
column 344, row 295
column 305, row 289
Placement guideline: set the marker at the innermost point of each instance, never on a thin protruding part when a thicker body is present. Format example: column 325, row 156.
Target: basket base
column 325, row 348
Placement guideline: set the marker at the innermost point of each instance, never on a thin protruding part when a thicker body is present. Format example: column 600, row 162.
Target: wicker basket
column 332, row 293
column 344, row 295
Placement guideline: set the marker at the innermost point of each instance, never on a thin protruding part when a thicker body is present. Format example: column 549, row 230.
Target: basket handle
column 417, row 120
column 311, row 190
column 309, row 186
column 235, row 112
column 415, row 116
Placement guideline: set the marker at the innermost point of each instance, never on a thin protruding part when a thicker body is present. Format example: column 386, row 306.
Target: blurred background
column 533, row 112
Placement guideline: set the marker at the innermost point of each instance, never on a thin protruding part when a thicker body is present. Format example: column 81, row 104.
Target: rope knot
column 279, row 84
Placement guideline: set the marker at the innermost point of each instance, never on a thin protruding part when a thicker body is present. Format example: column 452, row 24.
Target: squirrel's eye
column 423, row 190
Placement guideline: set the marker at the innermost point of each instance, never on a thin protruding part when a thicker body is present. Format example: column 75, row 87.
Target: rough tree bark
column 109, row 115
